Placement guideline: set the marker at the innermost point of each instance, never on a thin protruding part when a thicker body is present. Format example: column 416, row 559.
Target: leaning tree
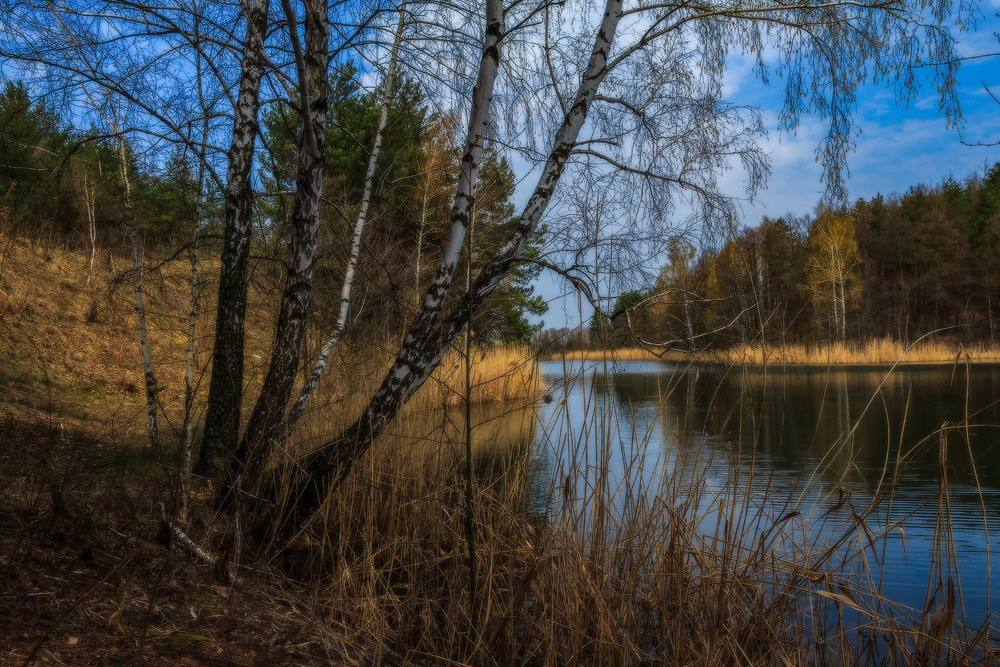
column 628, row 97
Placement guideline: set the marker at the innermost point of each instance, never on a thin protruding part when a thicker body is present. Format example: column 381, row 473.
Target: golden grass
column 633, row 571
column 499, row 374
column 505, row 376
column 623, row 354
column 881, row 351
column 73, row 348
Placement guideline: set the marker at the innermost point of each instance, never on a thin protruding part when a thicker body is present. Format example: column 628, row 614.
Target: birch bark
column 269, row 409
column 225, row 393
column 187, row 448
column 424, row 344
column 359, row 225
column 140, row 308
column 88, row 202
column 189, row 388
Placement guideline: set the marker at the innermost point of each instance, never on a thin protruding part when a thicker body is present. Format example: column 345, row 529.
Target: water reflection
column 822, row 442
column 797, row 438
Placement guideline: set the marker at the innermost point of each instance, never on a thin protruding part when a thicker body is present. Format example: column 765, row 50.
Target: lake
column 877, row 466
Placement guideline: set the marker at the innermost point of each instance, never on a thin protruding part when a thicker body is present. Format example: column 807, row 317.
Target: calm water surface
column 797, row 439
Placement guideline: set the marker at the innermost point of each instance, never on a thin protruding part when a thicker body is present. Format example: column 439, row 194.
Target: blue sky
column 898, row 145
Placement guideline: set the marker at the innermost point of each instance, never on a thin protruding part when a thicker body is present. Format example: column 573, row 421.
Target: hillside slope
column 71, row 347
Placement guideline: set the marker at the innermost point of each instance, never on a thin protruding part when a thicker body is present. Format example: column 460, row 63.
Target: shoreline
column 882, row 352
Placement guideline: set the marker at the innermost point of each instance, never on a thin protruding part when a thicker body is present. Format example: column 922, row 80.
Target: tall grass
column 80, row 336
column 623, row 354
column 880, row 351
column 499, row 375
column 596, row 542
column 689, row 554
column 505, row 375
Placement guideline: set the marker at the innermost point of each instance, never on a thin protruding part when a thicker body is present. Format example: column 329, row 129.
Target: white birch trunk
column 843, row 310
column 88, row 202
column 140, row 309
column 688, row 320
column 269, row 410
column 420, row 238
column 424, row 344
column 989, row 307
column 359, row 225
column 189, row 387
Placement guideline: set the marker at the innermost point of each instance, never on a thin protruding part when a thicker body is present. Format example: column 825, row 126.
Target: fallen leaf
column 73, row 641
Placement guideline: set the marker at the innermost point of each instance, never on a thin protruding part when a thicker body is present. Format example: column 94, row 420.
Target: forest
column 895, row 266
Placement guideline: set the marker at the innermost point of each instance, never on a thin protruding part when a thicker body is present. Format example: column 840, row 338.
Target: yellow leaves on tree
column 831, row 270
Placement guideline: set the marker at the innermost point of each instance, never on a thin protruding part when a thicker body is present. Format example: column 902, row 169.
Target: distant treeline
column 900, row 267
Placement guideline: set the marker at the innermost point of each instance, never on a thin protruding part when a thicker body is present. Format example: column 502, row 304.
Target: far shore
column 882, row 352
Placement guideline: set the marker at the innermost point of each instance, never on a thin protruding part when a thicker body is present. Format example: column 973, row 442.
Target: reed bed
column 881, row 351
column 698, row 558
column 500, row 374
column 504, row 375
column 878, row 352
column 623, row 354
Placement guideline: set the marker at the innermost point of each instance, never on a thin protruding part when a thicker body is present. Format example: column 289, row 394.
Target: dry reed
column 505, row 375
column 577, row 566
column 79, row 340
column 580, row 566
column 878, row 352
column 881, row 351
column 623, row 354
column 499, row 374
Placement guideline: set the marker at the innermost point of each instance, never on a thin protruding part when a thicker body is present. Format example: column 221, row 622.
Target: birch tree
column 153, row 430
column 631, row 93
column 359, row 226
column 311, row 64
column 670, row 135
column 831, row 269
column 225, row 394
column 187, row 428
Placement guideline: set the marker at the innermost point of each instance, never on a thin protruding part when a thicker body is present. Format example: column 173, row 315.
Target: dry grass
column 499, row 374
column 74, row 351
column 505, row 376
column 574, row 564
column 578, row 566
column 73, row 347
column 882, row 351
column 879, row 352
column 623, row 354
column 71, row 383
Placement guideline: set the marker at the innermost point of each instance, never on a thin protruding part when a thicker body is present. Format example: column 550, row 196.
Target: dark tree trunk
column 269, row 411
column 225, row 394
